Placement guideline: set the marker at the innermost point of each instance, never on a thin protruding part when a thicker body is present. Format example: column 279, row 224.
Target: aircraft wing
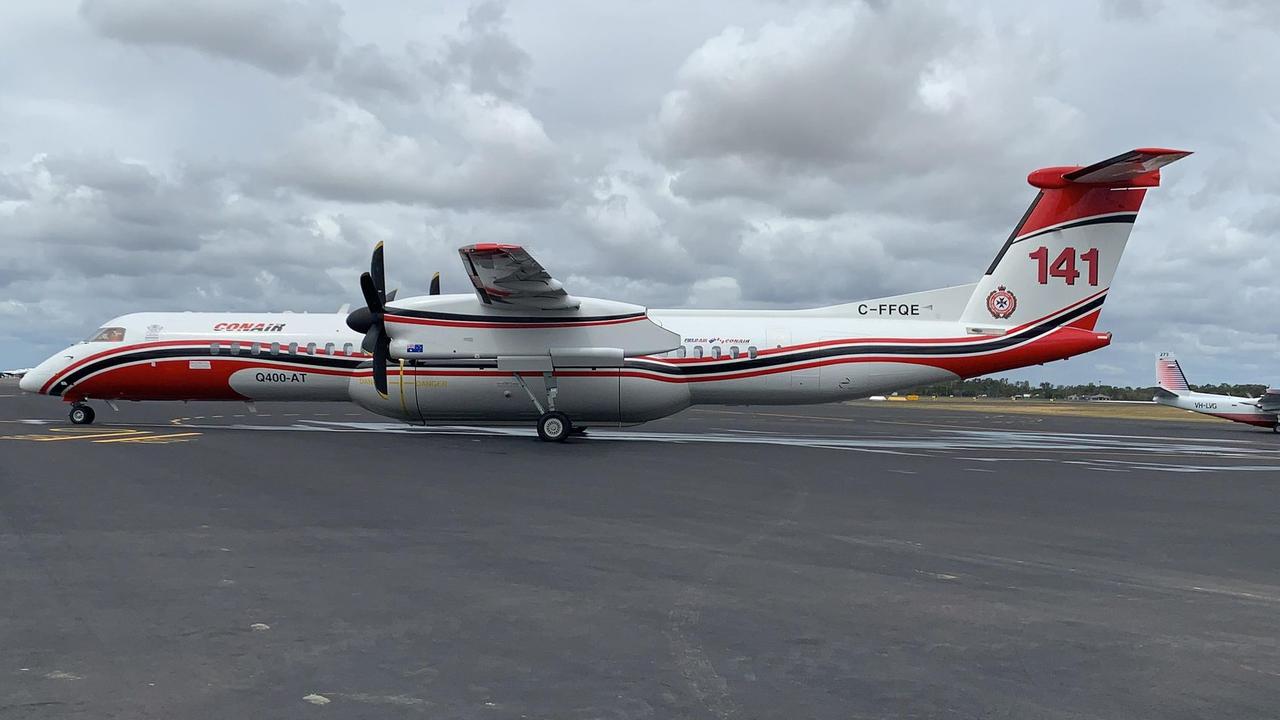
column 1270, row 401
column 507, row 275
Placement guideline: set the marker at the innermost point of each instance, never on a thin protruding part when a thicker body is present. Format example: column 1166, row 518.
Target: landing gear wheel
column 81, row 414
column 554, row 426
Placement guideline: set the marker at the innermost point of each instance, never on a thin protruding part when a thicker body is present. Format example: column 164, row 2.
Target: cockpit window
column 108, row 334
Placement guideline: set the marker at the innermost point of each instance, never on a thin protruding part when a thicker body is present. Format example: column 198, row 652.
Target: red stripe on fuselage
column 195, row 344
column 1248, row 419
column 174, row 379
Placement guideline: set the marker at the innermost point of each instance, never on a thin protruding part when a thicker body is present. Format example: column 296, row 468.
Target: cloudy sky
column 247, row 154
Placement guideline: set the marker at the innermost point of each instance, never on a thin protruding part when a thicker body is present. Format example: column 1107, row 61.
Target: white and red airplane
column 521, row 349
column 1172, row 390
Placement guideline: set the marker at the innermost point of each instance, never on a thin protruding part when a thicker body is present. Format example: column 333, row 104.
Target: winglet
column 1139, row 168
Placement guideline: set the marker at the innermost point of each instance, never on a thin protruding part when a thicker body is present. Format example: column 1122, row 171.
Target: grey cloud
column 485, row 53
column 280, row 36
column 500, row 157
column 368, row 73
column 815, row 91
column 813, row 117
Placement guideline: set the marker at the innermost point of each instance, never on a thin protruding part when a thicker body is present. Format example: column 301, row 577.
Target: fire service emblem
column 1001, row 303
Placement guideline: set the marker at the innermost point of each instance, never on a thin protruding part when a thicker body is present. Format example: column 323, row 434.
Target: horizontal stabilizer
column 1138, row 168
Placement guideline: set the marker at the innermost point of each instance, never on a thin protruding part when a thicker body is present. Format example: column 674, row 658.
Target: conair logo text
column 1001, row 303
column 249, row 327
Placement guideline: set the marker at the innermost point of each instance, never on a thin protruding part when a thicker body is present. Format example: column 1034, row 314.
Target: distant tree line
column 1004, row 388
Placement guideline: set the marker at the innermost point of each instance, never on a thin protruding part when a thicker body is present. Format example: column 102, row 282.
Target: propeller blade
column 435, row 285
column 377, row 270
column 381, row 353
column 372, row 297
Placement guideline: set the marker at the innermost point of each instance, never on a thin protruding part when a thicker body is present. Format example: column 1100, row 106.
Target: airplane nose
column 32, row 381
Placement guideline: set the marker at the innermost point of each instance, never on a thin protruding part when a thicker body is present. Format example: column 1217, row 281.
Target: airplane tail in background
column 1169, row 377
column 1058, row 262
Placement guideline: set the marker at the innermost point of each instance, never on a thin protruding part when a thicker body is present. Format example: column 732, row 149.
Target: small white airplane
column 1172, row 390
column 15, row 373
column 522, row 349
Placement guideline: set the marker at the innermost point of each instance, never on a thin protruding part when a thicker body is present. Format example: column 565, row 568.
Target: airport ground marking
column 149, row 439
column 103, row 435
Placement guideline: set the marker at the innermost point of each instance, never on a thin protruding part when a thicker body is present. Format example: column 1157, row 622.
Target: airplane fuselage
column 1227, row 407
column 724, row 357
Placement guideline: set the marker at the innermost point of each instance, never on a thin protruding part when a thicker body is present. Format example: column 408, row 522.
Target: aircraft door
column 775, row 338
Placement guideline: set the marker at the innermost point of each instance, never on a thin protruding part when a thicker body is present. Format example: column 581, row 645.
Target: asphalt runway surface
column 311, row 561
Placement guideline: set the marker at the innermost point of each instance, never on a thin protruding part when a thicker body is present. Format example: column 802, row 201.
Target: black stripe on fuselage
column 170, row 353
column 822, row 353
column 656, row 366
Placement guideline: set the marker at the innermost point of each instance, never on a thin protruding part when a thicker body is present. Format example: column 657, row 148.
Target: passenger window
column 255, row 348
column 235, row 348
column 328, row 348
column 680, row 351
column 311, row 348
column 715, row 351
column 346, row 349
column 697, row 351
column 751, row 351
column 733, row 351
column 275, row 348
column 293, row 348
column 213, row 348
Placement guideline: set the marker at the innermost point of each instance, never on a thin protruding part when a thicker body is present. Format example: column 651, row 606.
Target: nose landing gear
column 81, row 414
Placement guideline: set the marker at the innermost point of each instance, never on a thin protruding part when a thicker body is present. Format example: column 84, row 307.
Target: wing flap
column 507, row 275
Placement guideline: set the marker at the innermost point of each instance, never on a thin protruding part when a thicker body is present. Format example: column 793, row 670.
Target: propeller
column 369, row 319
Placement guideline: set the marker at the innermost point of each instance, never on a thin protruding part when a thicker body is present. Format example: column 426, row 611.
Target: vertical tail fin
column 1169, row 375
column 1059, row 260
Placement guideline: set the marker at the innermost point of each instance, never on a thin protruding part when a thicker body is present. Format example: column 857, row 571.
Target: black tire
column 554, row 426
column 81, row 415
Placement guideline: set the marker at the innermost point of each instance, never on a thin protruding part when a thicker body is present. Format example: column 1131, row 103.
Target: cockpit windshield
column 108, row 334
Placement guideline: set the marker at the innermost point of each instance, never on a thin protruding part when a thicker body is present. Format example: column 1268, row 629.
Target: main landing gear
column 553, row 425
column 81, row 414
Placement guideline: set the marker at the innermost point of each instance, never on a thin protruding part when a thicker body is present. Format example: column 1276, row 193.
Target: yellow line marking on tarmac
column 94, row 435
column 153, row 439
column 72, row 434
